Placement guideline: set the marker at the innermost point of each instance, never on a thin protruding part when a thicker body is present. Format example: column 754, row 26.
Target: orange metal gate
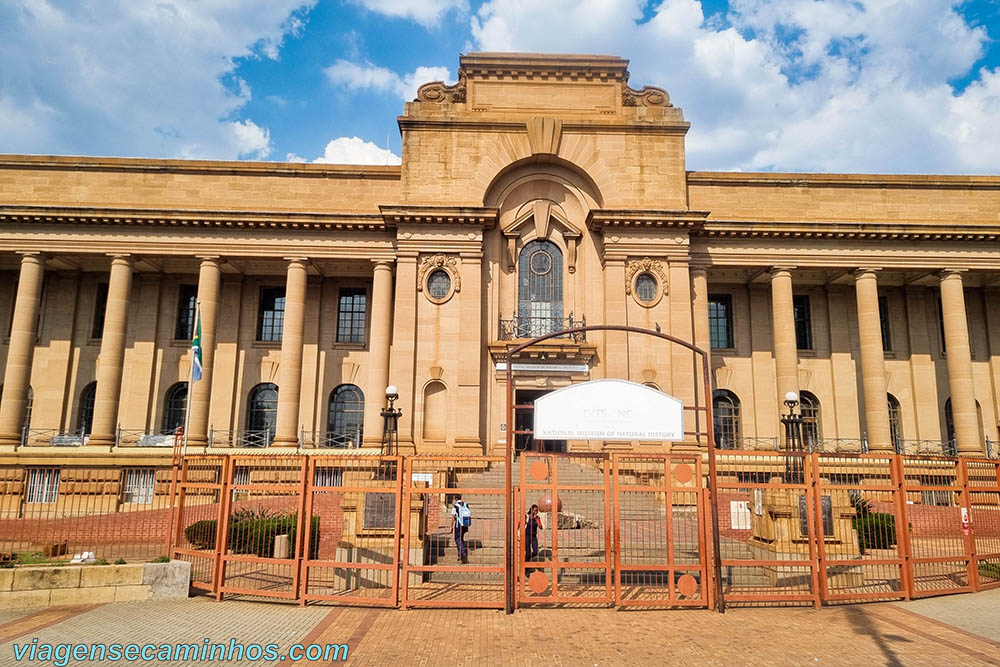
column 660, row 555
column 573, row 563
column 199, row 487
column 351, row 554
column 434, row 574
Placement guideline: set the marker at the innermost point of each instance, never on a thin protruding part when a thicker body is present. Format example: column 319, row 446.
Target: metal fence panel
column 352, row 554
column 573, row 564
column 660, row 541
column 434, row 574
column 861, row 552
column 767, row 527
column 198, row 490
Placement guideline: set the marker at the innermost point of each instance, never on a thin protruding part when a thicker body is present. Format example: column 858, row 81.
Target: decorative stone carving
column 644, row 265
column 544, row 135
column 649, row 96
column 437, row 91
column 447, row 263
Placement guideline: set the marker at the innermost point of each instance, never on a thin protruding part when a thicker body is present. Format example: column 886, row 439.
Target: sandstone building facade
column 538, row 193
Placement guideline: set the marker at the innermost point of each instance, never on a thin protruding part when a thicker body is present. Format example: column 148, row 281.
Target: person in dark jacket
column 531, row 534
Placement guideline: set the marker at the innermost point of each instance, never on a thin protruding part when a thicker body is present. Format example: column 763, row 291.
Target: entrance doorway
column 524, row 420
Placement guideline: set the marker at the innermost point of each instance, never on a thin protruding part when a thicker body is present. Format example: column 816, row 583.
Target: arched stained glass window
column 539, row 289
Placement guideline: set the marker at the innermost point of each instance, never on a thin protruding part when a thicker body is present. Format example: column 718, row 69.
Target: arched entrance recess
column 699, row 410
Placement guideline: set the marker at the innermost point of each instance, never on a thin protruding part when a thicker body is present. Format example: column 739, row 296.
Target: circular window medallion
column 540, row 263
column 439, row 284
column 646, row 288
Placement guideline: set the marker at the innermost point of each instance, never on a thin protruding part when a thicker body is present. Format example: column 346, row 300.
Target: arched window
column 895, row 424
column 539, row 289
column 346, row 417
column 262, row 412
column 726, row 419
column 85, row 420
column 174, row 407
column 811, row 431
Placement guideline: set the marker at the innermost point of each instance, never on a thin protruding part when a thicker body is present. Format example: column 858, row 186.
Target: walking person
column 531, row 534
column 461, row 519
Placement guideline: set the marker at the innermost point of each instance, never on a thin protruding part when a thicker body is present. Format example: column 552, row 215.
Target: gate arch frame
column 710, row 437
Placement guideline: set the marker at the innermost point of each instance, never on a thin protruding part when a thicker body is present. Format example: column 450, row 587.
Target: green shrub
column 101, row 561
column 162, row 559
column 120, row 561
column 876, row 530
column 991, row 570
column 254, row 536
column 201, row 534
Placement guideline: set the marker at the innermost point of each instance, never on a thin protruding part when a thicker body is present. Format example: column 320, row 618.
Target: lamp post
column 390, row 420
column 794, row 465
column 792, row 423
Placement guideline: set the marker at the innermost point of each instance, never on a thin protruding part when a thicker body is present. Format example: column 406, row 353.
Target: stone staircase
column 640, row 513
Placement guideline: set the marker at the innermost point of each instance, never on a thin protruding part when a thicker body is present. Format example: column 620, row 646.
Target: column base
column 285, row 441
column 10, row 440
column 196, row 441
column 101, row 440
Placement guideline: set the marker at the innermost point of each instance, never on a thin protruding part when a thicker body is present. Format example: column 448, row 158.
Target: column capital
column 866, row 272
column 304, row 261
column 386, row 264
column 699, row 269
column 209, row 259
column 782, row 270
column 946, row 274
column 121, row 258
column 36, row 255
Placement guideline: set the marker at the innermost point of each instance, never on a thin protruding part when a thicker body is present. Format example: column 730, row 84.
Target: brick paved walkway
column 926, row 632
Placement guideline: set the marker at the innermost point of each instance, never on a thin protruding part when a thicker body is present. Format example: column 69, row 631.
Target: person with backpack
column 461, row 519
column 531, row 527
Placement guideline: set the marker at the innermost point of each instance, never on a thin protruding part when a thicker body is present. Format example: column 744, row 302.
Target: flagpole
column 187, row 408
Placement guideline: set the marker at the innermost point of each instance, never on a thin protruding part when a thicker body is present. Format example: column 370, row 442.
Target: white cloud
column 135, row 78
column 252, row 140
column 425, row 12
column 366, row 76
column 826, row 85
column 352, row 150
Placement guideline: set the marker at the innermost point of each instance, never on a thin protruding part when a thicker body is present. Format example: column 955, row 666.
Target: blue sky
column 769, row 85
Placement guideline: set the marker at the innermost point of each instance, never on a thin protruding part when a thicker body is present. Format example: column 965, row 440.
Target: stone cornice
column 297, row 169
column 498, row 65
column 909, row 181
column 459, row 122
column 436, row 215
column 942, row 231
column 602, row 218
column 192, row 218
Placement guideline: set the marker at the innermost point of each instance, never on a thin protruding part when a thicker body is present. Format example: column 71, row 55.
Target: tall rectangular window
column 271, row 314
column 187, row 300
column 883, row 320
column 803, row 322
column 720, row 320
column 43, row 485
column 100, row 306
column 139, row 485
column 351, row 315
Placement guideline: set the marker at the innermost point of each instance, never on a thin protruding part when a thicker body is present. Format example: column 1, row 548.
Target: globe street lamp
column 390, row 421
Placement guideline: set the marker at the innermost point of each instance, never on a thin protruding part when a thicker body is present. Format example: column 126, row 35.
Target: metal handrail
column 244, row 438
column 532, row 326
column 53, row 437
column 750, row 444
column 840, row 445
column 133, row 437
column 331, row 439
column 932, row 447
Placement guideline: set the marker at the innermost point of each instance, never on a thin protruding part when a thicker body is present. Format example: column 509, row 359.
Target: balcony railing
column 128, row 437
column 533, row 326
column 927, row 447
column 258, row 439
column 331, row 439
column 53, row 437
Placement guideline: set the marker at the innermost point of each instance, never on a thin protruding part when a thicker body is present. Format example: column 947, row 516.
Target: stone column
column 702, row 333
column 786, row 355
column 378, row 352
column 290, row 370
column 956, row 338
column 21, row 350
column 112, row 357
column 209, row 277
column 872, row 362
